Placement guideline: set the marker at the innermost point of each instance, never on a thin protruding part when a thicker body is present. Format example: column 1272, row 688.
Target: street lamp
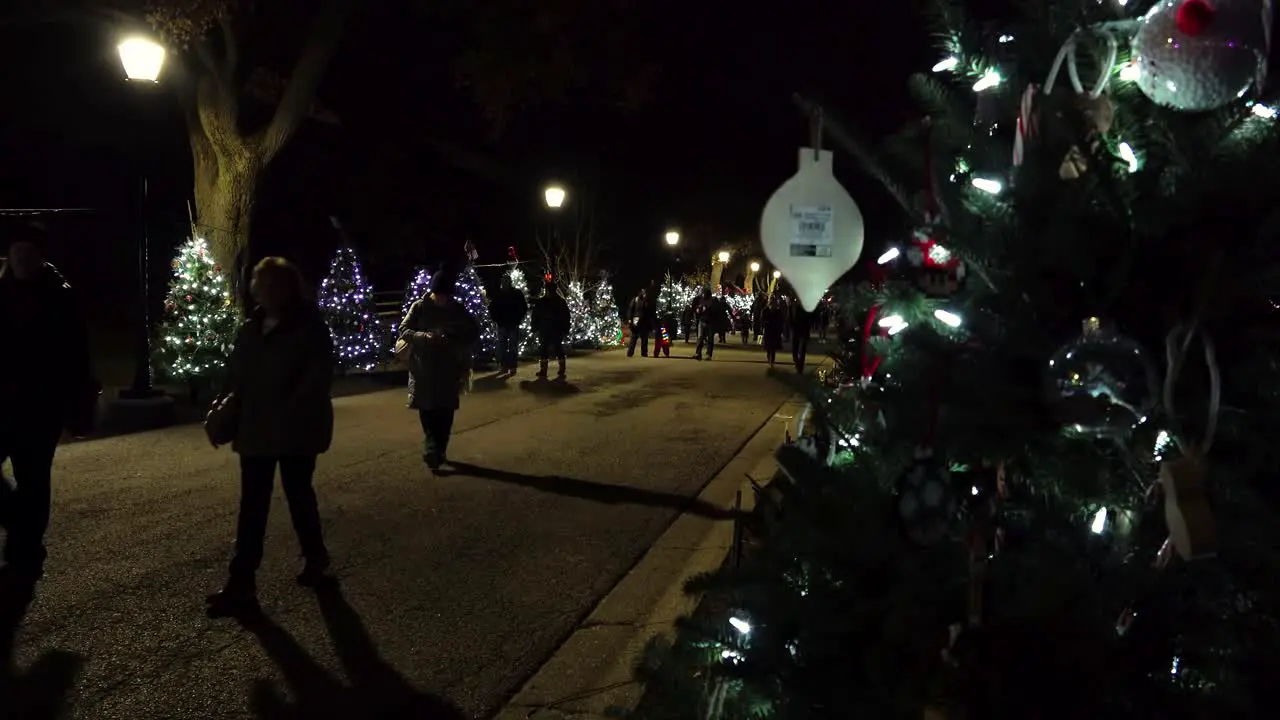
column 755, row 267
column 673, row 238
column 554, row 196
column 777, row 274
column 142, row 58
column 723, row 256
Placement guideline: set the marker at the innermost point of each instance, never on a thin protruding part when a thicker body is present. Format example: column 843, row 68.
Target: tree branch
column 231, row 47
column 308, row 72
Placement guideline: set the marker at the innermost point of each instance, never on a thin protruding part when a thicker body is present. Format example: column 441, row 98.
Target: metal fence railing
column 390, row 304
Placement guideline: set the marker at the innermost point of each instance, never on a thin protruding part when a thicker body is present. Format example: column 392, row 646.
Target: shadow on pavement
column 40, row 693
column 490, row 383
column 552, row 388
column 596, row 492
column 377, row 690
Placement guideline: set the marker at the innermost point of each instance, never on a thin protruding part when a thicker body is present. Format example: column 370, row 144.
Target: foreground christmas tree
column 520, row 282
column 470, row 292
column 200, row 320
column 606, row 323
column 581, row 332
column 992, row 519
column 347, row 302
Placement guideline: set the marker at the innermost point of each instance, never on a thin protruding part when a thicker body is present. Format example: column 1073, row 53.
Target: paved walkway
column 454, row 589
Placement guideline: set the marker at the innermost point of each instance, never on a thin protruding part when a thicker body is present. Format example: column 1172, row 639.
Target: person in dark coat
column 46, row 387
column 801, row 321
column 712, row 315
column 280, row 375
column 441, row 337
column 551, row 322
column 508, row 309
column 638, row 314
column 772, row 318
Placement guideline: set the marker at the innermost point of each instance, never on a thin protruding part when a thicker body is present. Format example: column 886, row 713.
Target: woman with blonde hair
column 279, row 381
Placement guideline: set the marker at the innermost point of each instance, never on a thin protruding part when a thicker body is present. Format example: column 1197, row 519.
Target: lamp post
column 749, row 283
column 773, row 284
column 143, row 59
column 672, row 238
column 717, row 269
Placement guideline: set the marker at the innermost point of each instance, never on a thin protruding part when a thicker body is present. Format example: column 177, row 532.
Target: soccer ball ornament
column 1200, row 55
column 937, row 271
column 1100, row 385
column 927, row 502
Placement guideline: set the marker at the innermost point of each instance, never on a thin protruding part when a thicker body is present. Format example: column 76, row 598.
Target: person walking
column 772, row 318
column 711, row 317
column 822, row 319
column 551, row 322
column 508, row 310
column 46, row 388
column 724, row 327
column 801, row 320
column 638, row 312
column 279, row 378
column 440, row 337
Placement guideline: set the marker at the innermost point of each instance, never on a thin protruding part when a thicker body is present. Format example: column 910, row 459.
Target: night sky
column 717, row 135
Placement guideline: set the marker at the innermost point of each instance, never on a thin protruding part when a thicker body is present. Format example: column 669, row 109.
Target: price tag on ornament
column 811, row 231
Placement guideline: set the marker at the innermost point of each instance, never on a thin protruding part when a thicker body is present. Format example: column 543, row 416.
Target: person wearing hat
column 551, row 322
column 441, row 337
column 46, row 387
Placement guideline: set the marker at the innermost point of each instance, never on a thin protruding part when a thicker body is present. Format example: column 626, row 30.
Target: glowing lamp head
column 777, row 274
column 723, row 256
column 554, row 197
column 755, row 267
column 673, row 238
column 142, row 58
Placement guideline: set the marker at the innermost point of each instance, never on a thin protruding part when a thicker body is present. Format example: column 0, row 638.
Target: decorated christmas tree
column 1055, row 491
column 200, row 319
column 417, row 289
column 581, row 331
column 674, row 297
column 347, row 302
column 470, row 291
column 518, row 281
column 605, row 321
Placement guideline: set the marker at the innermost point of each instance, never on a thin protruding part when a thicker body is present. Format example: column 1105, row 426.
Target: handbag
column 223, row 420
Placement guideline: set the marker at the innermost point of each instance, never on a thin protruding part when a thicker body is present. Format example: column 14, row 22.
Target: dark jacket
column 713, row 312
column 551, row 317
column 283, row 379
column 438, row 366
column 772, row 321
column 508, row 308
column 45, row 370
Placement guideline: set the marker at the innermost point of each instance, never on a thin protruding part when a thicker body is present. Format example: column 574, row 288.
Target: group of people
column 771, row 320
column 276, row 395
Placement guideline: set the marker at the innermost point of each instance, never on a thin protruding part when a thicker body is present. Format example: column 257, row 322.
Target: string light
column 604, row 321
column 989, row 79
column 1126, row 154
column 346, row 300
column 947, row 318
column 200, row 321
column 889, row 256
column 581, row 329
column 986, row 185
column 521, row 283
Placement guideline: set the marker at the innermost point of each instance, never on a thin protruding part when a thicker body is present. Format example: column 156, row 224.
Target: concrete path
column 454, row 589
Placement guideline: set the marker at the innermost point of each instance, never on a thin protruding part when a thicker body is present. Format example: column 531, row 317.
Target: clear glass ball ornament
column 1100, row 385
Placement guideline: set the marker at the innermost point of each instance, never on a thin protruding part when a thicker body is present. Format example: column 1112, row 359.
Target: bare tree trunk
column 225, row 189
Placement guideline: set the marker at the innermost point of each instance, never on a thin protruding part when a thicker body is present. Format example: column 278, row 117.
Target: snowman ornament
column 1199, row 55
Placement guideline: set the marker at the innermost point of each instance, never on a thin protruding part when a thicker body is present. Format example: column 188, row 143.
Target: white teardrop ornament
column 811, row 229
